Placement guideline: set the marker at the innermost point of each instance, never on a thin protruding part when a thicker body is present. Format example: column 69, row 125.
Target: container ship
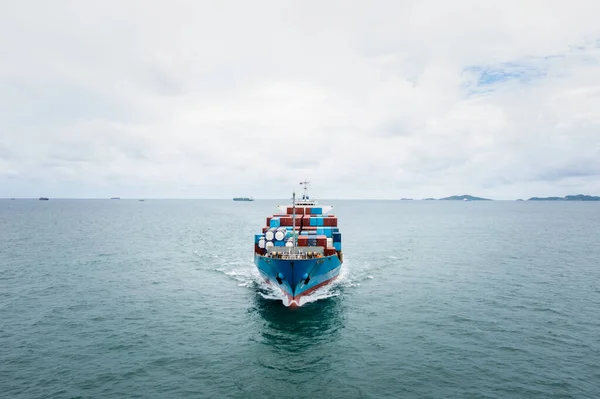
column 300, row 248
column 243, row 199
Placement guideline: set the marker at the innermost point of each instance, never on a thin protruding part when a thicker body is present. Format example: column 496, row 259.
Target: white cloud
column 366, row 99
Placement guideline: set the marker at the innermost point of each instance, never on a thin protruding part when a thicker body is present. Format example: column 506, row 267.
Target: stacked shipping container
column 314, row 229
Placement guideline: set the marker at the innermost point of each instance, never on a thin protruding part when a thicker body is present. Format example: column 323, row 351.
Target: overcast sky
column 369, row 99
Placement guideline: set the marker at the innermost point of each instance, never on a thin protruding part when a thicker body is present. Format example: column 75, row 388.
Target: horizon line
column 403, row 199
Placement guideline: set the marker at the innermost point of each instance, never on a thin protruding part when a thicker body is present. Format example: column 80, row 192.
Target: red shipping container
column 303, row 241
column 292, row 222
column 330, row 221
column 258, row 250
column 265, row 229
column 285, row 221
column 321, row 241
column 330, row 251
column 299, row 210
column 269, row 220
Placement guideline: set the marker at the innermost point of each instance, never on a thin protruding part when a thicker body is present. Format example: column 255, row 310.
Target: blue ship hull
column 290, row 274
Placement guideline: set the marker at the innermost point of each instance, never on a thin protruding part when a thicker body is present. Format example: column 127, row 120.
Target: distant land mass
column 406, row 199
column 463, row 198
column 578, row 197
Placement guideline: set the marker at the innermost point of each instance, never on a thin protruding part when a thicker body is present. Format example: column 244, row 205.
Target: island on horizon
column 577, row 197
column 464, row 198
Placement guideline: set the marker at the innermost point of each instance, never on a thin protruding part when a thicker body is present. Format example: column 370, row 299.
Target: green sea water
column 160, row 299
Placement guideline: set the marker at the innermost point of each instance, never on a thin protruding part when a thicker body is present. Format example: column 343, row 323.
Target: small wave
column 244, row 276
column 318, row 295
column 270, row 297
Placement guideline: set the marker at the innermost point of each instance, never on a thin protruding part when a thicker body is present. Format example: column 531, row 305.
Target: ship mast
column 305, row 184
column 294, row 220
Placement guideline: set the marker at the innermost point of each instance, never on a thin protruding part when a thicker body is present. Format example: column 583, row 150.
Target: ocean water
column 160, row 299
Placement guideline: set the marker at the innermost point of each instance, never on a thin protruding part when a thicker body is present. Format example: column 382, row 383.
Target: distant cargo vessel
column 44, row 198
column 300, row 249
column 243, row 199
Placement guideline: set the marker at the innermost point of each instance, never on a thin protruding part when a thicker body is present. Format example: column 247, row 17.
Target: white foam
column 318, row 295
column 271, row 297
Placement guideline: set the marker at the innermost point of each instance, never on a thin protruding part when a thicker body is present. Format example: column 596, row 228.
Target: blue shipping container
column 337, row 237
column 279, row 243
column 274, row 222
column 313, row 221
column 325, row 231
column 316, row 211
column 257, row 237
column 337, row 246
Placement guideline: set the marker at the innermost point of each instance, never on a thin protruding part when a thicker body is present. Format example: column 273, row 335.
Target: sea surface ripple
column 154, row 299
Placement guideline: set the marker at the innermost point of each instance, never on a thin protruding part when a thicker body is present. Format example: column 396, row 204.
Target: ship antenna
column 305, row 184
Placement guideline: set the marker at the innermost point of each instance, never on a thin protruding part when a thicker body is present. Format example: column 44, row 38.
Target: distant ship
column 44, row 199
column 300, row 249
column 116, row 198
column 243, row 199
